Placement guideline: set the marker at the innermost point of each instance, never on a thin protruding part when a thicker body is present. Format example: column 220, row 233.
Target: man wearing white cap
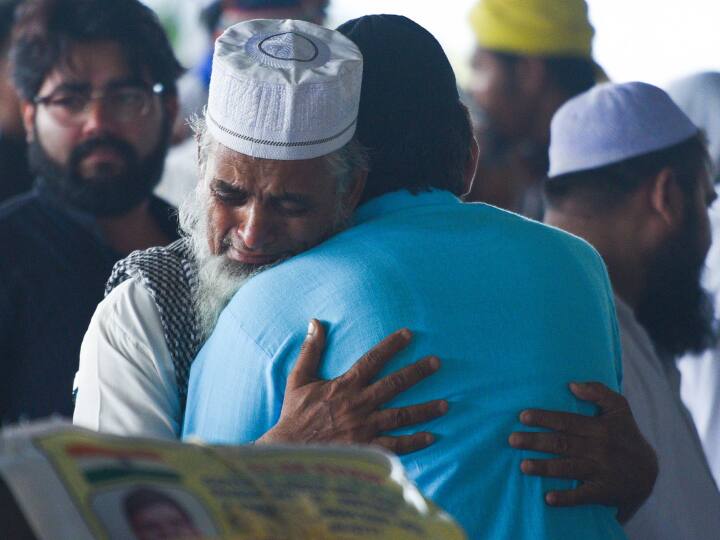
column 476, row 284
column 629, row 173
column 698, row 95
column 280, row 172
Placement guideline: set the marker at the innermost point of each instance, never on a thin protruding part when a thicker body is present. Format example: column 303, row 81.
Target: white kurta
column 126, row 379
column 700, row 387
column 701, row 393
column 685, row 503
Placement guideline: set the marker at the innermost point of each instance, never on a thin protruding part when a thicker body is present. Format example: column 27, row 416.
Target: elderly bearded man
column 303, row 171
column 515, row 309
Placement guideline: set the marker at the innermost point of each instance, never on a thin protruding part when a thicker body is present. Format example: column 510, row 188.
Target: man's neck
column 624, row 264
column 134, row 230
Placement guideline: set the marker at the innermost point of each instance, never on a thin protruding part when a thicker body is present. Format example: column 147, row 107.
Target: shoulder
column 549, row 247
column 23, row 223
column 129, row 307
column 161, row 267
column 529, row 232
column 17, row 208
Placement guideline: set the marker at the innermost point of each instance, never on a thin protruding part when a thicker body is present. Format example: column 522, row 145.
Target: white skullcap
column 614, row 122
column 284, row 89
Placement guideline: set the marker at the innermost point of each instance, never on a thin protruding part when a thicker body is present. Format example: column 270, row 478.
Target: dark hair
column 45, row 29
column 571, row 75
column 210, row 16
column 7, row 16
column 411, row 120
column 140, row 498
column 604, row 188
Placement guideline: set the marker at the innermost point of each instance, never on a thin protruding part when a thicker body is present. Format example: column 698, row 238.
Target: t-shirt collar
column 399, row 200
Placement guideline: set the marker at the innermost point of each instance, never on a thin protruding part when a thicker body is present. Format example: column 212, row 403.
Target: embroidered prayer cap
column 284, row 89
column 534, row 27
column 614, row 122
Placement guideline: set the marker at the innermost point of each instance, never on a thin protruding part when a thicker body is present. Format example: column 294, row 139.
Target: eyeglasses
column 123, row 103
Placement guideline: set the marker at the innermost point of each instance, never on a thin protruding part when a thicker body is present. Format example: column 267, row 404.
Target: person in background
column 15, row 176
column 698, row 96
column 180, row 174
column 637, row 187
column 476, row 284
column 531, row 56
column 96, row 80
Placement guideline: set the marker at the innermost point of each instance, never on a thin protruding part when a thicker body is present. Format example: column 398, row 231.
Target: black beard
column 676, row 311
column 102, row 195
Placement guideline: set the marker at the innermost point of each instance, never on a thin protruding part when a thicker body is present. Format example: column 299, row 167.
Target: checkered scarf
column 170, row 275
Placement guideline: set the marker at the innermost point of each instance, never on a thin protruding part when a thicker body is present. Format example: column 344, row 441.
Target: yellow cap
column 534, row 27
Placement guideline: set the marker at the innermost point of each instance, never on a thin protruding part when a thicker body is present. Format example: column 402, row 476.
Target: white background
column 650, row 40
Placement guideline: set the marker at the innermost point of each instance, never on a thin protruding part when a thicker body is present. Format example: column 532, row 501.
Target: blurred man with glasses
column 97, row 84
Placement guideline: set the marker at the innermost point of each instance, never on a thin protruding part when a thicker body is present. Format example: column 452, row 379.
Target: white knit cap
column 284, row 89
column 614, row 122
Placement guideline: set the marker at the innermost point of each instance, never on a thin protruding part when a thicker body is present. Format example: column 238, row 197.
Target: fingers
column 583, row 494
column 406, row 443
column 599, row 394
column 568, row 468
column 305, row 369
column 391, row 385
column 552, row 443
column 373, row 361
column 389, row 419
column 577, row 424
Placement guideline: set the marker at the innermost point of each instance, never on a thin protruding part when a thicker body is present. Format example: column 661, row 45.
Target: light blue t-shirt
column 514, row 309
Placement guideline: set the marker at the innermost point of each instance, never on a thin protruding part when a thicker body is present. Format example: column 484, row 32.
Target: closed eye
column 225, row 193
column 291, row 205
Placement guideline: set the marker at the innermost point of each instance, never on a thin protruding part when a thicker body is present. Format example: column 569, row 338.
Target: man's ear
column 172, row 107
column 352, row 196
column 666, row 198
column 471, row 166
column 28, row 110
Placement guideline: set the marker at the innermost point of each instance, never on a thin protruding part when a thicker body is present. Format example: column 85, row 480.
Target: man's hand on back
column 607, row 453
column 347, row 409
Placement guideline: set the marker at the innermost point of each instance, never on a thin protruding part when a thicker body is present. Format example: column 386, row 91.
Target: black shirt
column 15, row 177
column 53, row 267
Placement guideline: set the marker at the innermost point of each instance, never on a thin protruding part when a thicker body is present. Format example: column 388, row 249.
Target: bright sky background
column 650, row 40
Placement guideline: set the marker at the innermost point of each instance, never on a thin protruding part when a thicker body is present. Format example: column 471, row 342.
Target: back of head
column 558, row 31
column 46, row 29
column 698, row 96
column 411, row 120
column 606, row 142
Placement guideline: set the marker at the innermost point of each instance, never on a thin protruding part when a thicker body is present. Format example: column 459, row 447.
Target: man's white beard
column 218, row 281
column 219, row 278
